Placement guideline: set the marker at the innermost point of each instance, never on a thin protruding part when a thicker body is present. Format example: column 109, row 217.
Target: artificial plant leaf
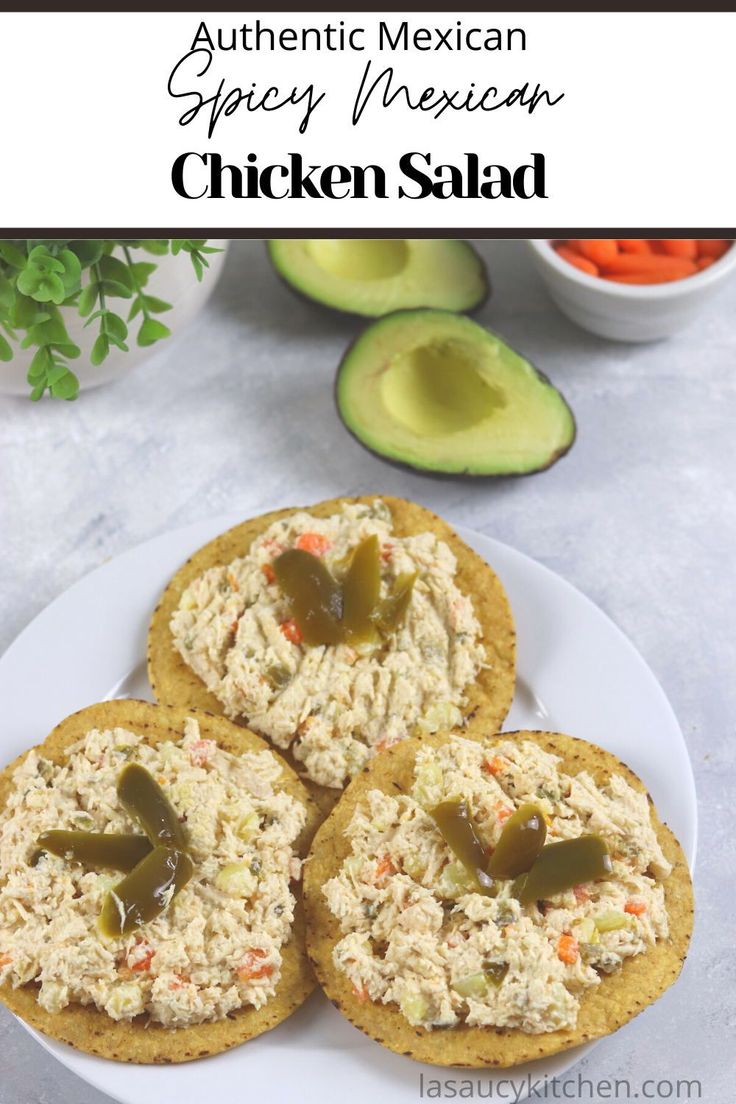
column 88, row 250
column 155, row 305
column 38, row 366
column 88, row 298
column 11, row 254
column 115, row 326
column 66, row 387
column 151, row 331
column 72, row 271
column 100, row 350
column 112, row 268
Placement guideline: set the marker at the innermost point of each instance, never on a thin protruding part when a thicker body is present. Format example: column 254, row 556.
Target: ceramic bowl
column 628, row 312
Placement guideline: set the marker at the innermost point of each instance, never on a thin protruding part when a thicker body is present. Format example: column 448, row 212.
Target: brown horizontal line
column 498, row 233
column 476, row 9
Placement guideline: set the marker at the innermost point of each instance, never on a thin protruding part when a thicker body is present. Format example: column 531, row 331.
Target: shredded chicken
column 333, row 705
column 417, row 934
column 217, row 947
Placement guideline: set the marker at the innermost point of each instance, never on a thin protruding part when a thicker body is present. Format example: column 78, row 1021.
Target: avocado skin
column 466, row 475
column 345, row 312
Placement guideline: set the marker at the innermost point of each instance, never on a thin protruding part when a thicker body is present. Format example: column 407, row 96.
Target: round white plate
column 577, row 673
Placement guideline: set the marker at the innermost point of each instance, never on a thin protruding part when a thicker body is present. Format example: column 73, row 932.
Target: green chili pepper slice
column 361, row 587
column 116, row 851
column 520, row 842
column 390, row 613
column 316, row 599
column 147, row 803
column 461, row 836
column 146, row 891
column 560, row 866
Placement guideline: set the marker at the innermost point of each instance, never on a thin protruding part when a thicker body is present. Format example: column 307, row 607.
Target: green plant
column 40, row 279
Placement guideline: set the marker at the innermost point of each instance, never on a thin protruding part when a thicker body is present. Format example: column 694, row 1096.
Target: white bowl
column 627, row 312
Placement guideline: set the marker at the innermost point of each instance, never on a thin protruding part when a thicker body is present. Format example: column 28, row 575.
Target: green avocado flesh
column 372, row 277
column 438, row 392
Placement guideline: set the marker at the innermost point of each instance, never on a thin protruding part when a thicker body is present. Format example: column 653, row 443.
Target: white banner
column 371, row 120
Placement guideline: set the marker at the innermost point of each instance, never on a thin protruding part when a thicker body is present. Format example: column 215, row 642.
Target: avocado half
column 373, row 276
column 437, row 392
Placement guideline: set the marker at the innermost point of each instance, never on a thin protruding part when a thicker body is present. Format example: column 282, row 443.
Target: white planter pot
column 173, row 281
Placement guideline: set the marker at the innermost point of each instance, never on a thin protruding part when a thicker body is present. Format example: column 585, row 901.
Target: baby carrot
column 634, row 245
column 649, row 278
column 680, row 247
column 627, row 264
column 712, row 247
column 704, row 262
column 597, row 250
column 575, row 259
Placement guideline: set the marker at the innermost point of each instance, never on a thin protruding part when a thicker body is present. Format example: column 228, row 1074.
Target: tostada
column 488, row 901
column 337, row 631
column 148, row 864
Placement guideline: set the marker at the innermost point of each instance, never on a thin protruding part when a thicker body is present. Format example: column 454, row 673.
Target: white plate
column 577, row 673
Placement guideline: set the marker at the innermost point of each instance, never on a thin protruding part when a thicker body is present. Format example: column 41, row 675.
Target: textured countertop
column 237, row 414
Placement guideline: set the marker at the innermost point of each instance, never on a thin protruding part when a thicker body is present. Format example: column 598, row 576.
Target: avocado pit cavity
column 440, row 387
column 433, row 390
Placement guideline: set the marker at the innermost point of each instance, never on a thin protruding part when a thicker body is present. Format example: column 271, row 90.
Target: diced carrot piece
column 575, row 259
column 627, row 264
column 269, row 572
column 144, row 962
column 503, row 812
column 635, row 908
column 5, row 960
column 232, row 581
column 387, row 551
column 634, row 245
column 314, row 543
column 598, row 250
column 384, row 868
column 250, row 969
column 712, row 247
column 494, row 765
column 291, row 631
column 567, row 949
column 680, row 247
column 704, row 262
column 360, row 993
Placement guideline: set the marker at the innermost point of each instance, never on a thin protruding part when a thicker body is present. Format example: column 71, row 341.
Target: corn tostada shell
column 89, row 1029
column 489, row 697
column 604, row 1008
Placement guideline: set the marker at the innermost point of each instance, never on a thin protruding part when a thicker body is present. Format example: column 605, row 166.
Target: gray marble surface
column 237, row 414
